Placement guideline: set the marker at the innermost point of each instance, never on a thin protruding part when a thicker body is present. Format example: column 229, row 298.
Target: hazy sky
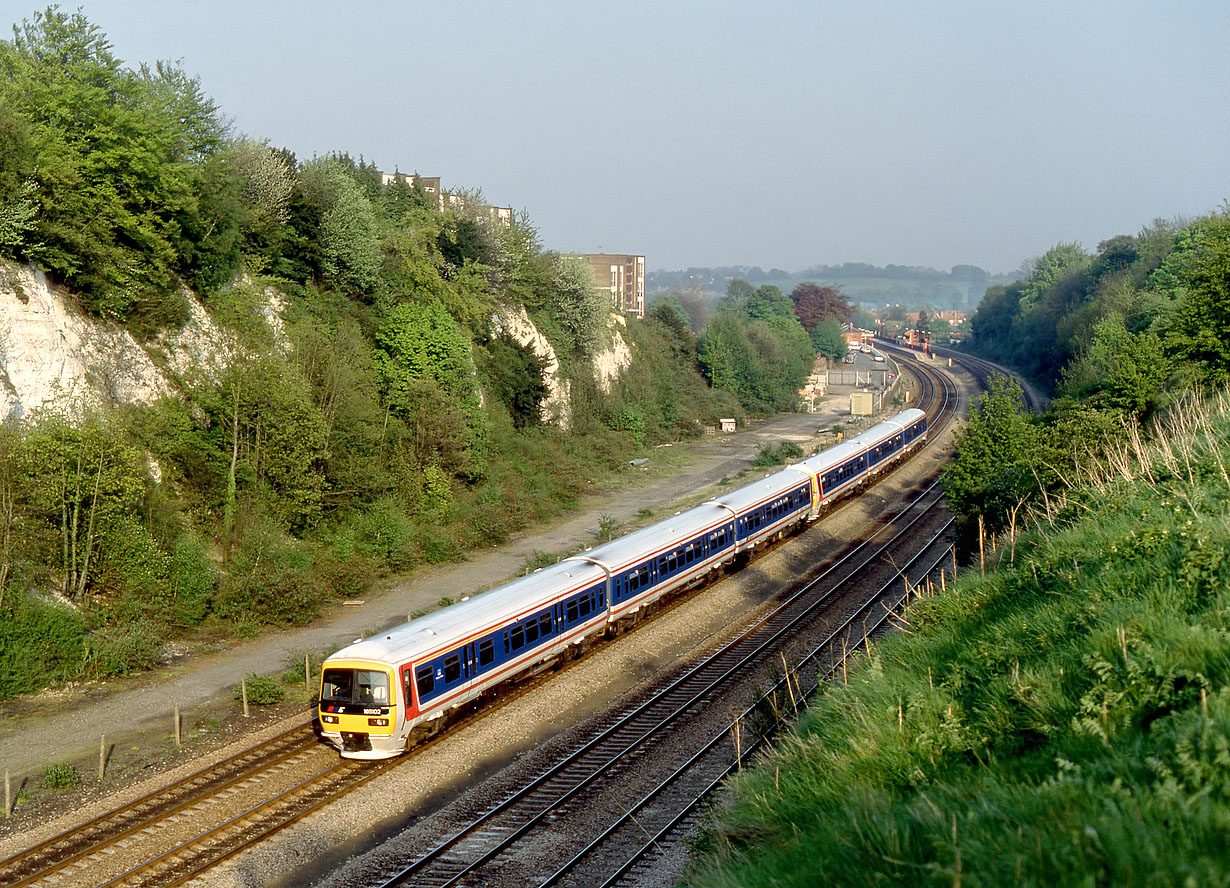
column 779, row 134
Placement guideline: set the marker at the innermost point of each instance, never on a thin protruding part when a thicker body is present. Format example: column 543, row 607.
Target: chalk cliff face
column 608, row 364
column 611, row 362
column 53, row 353
column 516, row 324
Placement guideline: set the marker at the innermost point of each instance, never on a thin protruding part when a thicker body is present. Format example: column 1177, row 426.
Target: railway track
column 816, row 627
column 174, row 834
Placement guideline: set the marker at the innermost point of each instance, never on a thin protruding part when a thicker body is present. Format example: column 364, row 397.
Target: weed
column 60, row 775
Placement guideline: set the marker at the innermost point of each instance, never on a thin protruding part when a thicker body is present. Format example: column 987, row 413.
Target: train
column 383, row 694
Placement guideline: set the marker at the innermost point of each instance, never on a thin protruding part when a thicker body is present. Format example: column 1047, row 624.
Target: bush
column 263, row 690
column 119, row 650
column 270, row 580
column 769, row 455
column 192, row 581
column 40, row 642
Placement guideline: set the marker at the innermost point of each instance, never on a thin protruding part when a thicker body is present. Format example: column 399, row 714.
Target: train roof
column 661, row 535
column 457, row 622
column 765, row 489
column 839, row 453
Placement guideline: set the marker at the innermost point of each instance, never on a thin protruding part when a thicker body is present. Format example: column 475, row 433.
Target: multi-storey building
column 623, row 277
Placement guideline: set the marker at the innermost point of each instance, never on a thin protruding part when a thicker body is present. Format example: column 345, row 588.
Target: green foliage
column 40, row 642
column 263, row 690
column 269, row 581
column 60, row 775
column 124, row 648
column 996, row 469
column 514, row 373
column 83, row 477
column 1197, row 273
column 762, row 357
column 1122, row 372
column 427, row 378
column 113, row 157
column 1047, row 724
column 777, row 454
column 579, row 308
column 829, row 339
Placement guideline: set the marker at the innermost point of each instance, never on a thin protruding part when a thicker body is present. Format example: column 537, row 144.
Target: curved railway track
column 195, row 823
column 816, row 627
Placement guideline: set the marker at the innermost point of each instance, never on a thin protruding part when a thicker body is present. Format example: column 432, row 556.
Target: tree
column 813, row 303
column 994, row 471
column 1197, row 275
column 1121, row 372
column 83, row 477
column 112, row 156
column 427, row 380
column 579, row 307
column 515, row 376
column 829, row 339
column 350, row 241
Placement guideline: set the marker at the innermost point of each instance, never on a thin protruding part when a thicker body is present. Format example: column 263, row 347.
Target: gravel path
column 65, row 725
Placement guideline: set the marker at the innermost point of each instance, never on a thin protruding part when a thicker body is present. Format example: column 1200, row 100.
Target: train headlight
column 329, row 719
column 378, row 722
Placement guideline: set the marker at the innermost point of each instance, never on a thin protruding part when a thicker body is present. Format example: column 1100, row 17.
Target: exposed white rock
column 611, row 362
column 516, row 323
column 52, row 352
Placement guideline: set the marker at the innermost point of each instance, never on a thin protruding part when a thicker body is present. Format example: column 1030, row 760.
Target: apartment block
column 623, row 277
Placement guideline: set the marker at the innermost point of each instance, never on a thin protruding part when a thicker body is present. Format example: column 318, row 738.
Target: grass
column 1064, row 720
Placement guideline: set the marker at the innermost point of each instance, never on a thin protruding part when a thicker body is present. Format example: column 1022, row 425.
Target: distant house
column 727, row 424
column 431, row 185
column 623, row 276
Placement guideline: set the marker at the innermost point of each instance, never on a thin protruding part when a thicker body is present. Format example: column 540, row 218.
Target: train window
column 506, row 646
column 452, row 668
column 531, row 632
column 424, row 680
column 662, row 565
column 585, row 604
column 486, row 651
column 518, row 637
column 544, row 624
column 337, row 685
column 572, row 611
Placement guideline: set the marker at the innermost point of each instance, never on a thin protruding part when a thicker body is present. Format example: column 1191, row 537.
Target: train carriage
column 769, row 507
column 380, row 694
column 664, row 557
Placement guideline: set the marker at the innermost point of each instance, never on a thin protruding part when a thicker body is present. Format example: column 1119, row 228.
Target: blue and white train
column 383, row 694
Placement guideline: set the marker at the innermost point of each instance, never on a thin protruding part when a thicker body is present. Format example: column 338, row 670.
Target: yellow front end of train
column 358, row 709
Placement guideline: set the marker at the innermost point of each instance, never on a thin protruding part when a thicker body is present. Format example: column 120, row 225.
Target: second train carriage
column 379, row 694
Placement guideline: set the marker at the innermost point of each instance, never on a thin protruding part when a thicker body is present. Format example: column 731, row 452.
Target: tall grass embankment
column 1062, row 720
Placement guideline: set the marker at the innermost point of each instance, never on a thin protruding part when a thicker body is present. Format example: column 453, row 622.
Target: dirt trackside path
column 66, row 725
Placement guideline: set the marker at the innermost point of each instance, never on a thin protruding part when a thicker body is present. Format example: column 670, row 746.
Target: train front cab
column 358, row 709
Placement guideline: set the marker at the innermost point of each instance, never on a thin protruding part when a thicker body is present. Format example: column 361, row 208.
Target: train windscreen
column 366, row 687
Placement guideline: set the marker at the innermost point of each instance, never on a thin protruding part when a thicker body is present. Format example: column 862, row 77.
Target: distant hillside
column 872, row 286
